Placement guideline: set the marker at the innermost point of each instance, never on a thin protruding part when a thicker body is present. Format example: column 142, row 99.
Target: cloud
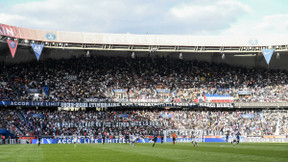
column 114, row 16
column 75, row 15
column 276, row 24
column 204, row 18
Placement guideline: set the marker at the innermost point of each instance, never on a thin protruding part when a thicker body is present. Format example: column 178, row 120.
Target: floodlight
column 180, row 56
column 278, row 56
column 223, row 56
column 133, row 55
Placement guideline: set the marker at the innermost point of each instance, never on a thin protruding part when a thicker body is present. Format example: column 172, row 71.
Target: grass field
column 144, row 152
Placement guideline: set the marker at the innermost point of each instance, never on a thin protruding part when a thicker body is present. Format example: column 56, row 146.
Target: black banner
column 112, row 104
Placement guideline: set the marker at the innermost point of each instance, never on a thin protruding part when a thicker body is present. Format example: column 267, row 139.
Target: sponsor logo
column 263, row 140
column 12, row 44
column 50, row 36
column 37, row 48
column 253, row 42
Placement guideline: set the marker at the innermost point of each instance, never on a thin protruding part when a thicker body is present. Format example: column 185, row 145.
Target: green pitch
column 144, row 152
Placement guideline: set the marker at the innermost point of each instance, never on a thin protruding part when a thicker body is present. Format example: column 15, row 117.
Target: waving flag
column 218, row 98
column 12, row 46
column 37, row 48
column 267, row 53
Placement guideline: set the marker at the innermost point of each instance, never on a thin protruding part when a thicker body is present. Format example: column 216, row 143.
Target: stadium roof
column 67, row 44
column 132, row 39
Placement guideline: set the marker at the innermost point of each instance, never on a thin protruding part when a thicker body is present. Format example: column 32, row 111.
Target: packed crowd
column 11, row 121
column 140, row 79
column 144, row 122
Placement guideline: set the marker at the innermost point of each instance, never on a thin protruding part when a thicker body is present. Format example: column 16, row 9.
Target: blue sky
column 177, row 17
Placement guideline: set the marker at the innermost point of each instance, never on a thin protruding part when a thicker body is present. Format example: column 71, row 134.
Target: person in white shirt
column 132, row 140
column 234, row 139
column 91, row 138
column 193, row 138
column 75, row 139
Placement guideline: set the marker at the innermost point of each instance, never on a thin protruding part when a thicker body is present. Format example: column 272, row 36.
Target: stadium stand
column 144, row 122
column 34, row 95
column 127, row 79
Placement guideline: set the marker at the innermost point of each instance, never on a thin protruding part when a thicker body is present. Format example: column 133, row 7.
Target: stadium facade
column 73, row 70
column 247, row 52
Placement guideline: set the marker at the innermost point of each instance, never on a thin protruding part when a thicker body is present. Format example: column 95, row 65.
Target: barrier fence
column 168, row 140
column 122, row 140
column 14, row 141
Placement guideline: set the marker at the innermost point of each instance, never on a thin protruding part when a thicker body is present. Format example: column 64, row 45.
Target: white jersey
column 75, row 137
column 234, row 135
column 193, row 137
column 132, row 138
